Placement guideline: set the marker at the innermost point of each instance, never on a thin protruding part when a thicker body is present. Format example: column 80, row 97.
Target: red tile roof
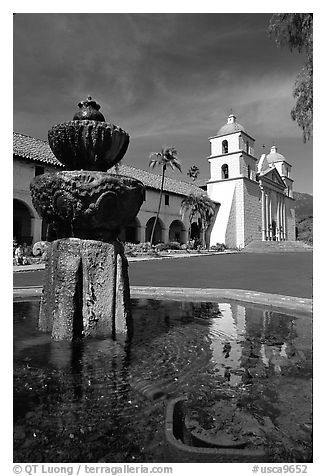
column 39, row 150
column 154, row 181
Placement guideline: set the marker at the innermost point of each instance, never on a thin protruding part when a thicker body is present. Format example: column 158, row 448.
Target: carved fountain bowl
column 87, row 204
column 88, row 144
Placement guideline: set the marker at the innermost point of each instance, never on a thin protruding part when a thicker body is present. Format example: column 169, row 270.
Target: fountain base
column 86, row 290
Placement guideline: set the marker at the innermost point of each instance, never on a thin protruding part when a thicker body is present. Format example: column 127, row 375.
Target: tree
column 295, row 31
column 199, row 207
column 193, row 172
column 168, row 157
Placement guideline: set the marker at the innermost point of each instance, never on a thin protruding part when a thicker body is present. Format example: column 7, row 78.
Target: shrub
column 161, row 247
column 174, row 245
column 218, row 247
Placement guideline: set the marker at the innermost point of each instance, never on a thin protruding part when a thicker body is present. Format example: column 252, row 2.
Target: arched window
column 225, row 171
column 247, row 147
column 225, row 147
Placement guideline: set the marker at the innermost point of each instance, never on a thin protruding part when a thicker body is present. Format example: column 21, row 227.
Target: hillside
column 303, row 204
column 304, row 216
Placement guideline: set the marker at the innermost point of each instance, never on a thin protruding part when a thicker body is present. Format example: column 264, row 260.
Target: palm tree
column 193, row 172
column 208, row 211
column 168, row 157
column 199, row 207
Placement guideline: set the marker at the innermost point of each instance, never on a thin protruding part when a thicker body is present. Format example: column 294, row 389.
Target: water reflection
column 105, row 393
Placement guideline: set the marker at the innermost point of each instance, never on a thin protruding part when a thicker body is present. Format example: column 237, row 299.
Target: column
column 36, row 229
column 142, row 233
column 284, row 220
column 263, row 215
column 269, row 211
column 266, row 217
column 165, row 235
column 278, row 218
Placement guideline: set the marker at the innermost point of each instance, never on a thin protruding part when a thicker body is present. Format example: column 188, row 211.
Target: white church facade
column 253, row 197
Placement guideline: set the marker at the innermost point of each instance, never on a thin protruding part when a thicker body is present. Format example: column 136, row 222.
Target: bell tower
column 233, row 168
column 232, row 152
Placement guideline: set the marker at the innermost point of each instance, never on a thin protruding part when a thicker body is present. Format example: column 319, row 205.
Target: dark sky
column 167, row 79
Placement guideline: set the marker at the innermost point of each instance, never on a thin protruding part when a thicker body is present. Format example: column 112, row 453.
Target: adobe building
column 34, row 156
column 254, row 197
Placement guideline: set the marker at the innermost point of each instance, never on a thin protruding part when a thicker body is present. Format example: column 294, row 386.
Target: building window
column 225, row 147
column 225, row 171
column 167, row 199
column 249, row 171
column 39, row 170
column 247, row 147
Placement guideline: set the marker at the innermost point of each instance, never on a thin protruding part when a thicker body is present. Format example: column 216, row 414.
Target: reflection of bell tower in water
column 255, row 196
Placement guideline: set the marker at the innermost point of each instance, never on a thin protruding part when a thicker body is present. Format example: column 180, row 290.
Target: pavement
column 238, row 277
column 131, row 259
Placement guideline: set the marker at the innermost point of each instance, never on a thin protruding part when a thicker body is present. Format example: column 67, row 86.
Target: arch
column 177, row 231
column 22, row 223
column 131, row 233
column 225, row 171
column 247, row 147
column 225, row 147
column 158, row 234
column 195, row 231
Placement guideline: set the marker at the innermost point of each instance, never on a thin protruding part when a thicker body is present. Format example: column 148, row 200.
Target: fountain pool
column 246, row 372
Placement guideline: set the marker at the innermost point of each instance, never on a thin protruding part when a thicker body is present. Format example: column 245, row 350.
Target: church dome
column 230, row 126
column 274, row 156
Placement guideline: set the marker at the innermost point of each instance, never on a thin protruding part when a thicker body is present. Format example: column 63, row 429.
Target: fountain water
column 86, row 289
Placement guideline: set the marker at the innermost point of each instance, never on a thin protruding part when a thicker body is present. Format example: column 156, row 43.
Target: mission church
column 254, row 197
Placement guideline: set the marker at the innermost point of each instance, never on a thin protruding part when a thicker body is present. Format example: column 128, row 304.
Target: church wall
column 252, row 211
column 216, row 166
column 223, row 193
column 234, row 231
column 290, row 215
column 243, row 140
column 244, row 162
column 216, row 144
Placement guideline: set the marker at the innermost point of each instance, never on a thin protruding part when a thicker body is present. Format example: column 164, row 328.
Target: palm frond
column 155, row 158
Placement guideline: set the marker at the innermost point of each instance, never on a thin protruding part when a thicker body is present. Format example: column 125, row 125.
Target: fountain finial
column 89, row 110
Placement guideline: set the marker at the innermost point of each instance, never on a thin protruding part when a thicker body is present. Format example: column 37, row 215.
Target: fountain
column 86, row 289
column 199, row 381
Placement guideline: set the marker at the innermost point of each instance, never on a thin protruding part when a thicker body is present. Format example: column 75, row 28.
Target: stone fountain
column 86, row 289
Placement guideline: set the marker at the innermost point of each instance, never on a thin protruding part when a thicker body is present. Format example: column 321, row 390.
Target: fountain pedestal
column 86, row 289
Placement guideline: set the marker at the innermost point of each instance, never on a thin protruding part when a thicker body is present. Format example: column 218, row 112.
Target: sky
column 167, row 79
